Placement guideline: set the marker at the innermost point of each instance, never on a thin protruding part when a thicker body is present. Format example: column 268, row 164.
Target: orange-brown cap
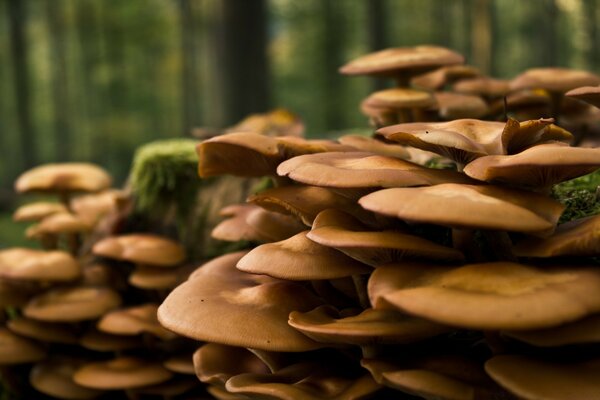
column 134, row 321
column 15, row 349
column 483, row 86
column 452, row 106
column 121, row 373
column 38, row 265
column 141, row 248
column 589, row 94
column 372, row 145
column 37, row 211
column 435, row 80
column 63, row 177
column 554, row 79
column 216, row 363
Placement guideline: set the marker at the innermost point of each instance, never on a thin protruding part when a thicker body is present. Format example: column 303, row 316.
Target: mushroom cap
column 181, row 363
column 38, row 265
column 554, row 79
column 469, row 206
column 216, row 363
column 539, row 166
column 157, row 278
column 141, row 248
column 91, row 207
column 121, row 373
column 483, row 86
column 16, row 293
column 235, row 228
column 363, row 170
column 221, row 304
column 72, row 304
column 530, row 378
column 177, row 386
column 299, row 258
column 278, row 122
column 15, row 349
column 435, row 80
column 586, row 330
column 579, row 237
column 251, row 154
column 134, row 321
column 345, row 233
column 55, row 378
column 101, row 341
column 589, row 94
column 325, row 324
column 488, row 296
column 399, row 60
column 453, row 106
column 304, row 381
column 44, row 331
column 62, row 177
column 58, row 223
column 37, row 211
column 305, row 202
column 398, row 98
column 372, row 145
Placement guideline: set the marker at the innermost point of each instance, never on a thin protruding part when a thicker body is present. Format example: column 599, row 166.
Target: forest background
column 91, row 80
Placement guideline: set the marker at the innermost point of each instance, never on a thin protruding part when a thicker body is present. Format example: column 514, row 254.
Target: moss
column 580, row 195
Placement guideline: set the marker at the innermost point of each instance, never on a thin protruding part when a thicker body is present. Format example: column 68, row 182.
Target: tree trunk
column 189, row 68
column 481, row 39
column 18, row 19
column 377, row 32
column 332, row 47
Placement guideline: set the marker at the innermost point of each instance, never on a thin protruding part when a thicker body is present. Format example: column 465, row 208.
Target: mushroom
column 588, row 94
column 72, row 304
column 181, row 363
column 15, row 349
column 405, row 105
column 486, row 87
column 216, row 363
column 48, row 332
column 55, row 225
column 372, row 145
column 158, row 278
column 453, row 106
column 141, row 248
column 37, row 211
column 443, row 76
column 252, row 309
column 299, row 258
column 345, row 233
column 134, row 321
column 54, row 377
column 327, row 325
column 92, row 207
column 106, row 342
column 38, row 265
column 121, row 373
column 278, row 122
column 532, row 378
column 488, row 296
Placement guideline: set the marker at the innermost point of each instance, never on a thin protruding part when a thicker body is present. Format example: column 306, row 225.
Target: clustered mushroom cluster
column 377, row 276
column 82, row 321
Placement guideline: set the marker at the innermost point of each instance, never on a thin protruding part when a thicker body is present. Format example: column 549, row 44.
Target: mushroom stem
column 464, row 240
column 73, row 243
column 555, row 104
column 48, row 241
column 360, row 284
column 500, row 244
column 65, row 198
column 402, row 80
column 404, row 115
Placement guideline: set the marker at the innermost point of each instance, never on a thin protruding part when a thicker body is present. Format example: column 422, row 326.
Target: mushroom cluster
column 373, row 275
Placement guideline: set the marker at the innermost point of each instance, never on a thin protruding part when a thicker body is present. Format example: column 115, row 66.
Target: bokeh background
column 93, row 79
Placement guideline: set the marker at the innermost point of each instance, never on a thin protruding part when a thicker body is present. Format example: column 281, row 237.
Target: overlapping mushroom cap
column 586, row 330
column 70, row 177
column 221, row 304
column 47, row 332
column 55, row 378
column 216, row 363
column 452, row 106
column 15, row 349
column 37, row 211
column 589, row 94
column 498, row 295
column 442, row 76
column 469, row 206
column 554, row 79
column 141, row 248
column 483, row 86
column 134, row 321
column 372, row 145
column 37, row 265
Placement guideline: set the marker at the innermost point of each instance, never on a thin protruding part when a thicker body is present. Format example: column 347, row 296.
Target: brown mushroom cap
column 178, row 386
column 91, row 207
column 586, row 330
column 574, row 238
column 589, row 94
column 221, row 304
column 304, row 381
column 55, row 378
column 483, row 86
column 15, row 349
column 216, row 363
column 134, row 321
column 182, row 364
column 435, row 80
column 469, row 206
column 398, row 98
column 530, row 378
column 100, row 341
column 345, row 233
column 498, row 295
column 554, row 79
column 38, row 265
column 363, row 170
column 72, row 304
column 141, row 248
column 299, row 258
column 58, row 223
column 43, row 331
column 452, row 106
column 63, row 177
column 325, row 324
column 394, row 61
column 372, row 145
column 278, row 122
column 37, row 211
column 157, row 278
column 537, row 167
column 121, row 373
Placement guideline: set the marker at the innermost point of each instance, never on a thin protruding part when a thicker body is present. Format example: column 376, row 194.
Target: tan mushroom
column 141, row 248
column 37, row 211
column 92, row 207
column 325, row 324
column 15, row 349
column 181, row 364
column 403, row 104
column 67, row 225
column 134, row 321
column 47, row 332
column 531, row 378
column 252, row 309
column 299, row 258
column 588, row 94
column 37, row 265
column 489, row 88
column 72, row 304
column 105, row 342
column 121, row 373
column 55, row 378
column 157, row 278
column 278, row 122
column 586, row 330
column 488, row 296
column 372, row 145
column 216, row 363
column 443, row 76
column 452, row 106
column 345, row 233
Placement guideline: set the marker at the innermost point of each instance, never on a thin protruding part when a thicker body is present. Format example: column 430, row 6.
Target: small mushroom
column 372, row 145
column 406, row 105
column 106, row 342
column 134, row 321
column 443, row 76
column 15, row 349
column 37, row 211
column 489, row 88
column 141, row 248
column 38, row 265
column 55, row 378
column 48, row 332
column 588, row 94
column 453, row 106
column 216, row 363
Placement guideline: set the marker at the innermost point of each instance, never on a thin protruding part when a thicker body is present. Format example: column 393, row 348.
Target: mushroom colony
column 431, row 259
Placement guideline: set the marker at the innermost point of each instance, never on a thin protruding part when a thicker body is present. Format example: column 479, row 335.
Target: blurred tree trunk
column 548, row 42
column 377, row 32
column 332, row 47
column 466, row 39
column 60, row 89
column 481, row 35
column 593, row 50
column 189, row 66
column 18, row 45
column 241, row 64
